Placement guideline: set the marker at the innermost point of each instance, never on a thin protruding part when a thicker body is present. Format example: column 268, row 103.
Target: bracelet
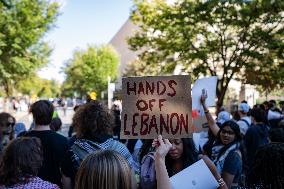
column 206, row 111
column 221, row 182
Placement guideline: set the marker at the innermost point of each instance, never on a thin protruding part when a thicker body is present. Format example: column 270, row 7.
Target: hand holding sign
column 162, row 146
column 203, row 96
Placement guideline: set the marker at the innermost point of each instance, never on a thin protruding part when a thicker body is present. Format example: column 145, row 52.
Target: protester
column 257, row 134
column 227, row 152
column 7, row 123
column 267, row 171
column 54, row 145
column 163, row 146
column 276, row 135
column 56, row 125
column 116, row 112
column 105, row 169
column 274, row 114
column 94, row 126
column 245, row 121
column 22, row 160
column 181, row 155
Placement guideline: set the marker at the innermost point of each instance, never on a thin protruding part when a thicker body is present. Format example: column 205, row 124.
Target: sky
column 82, row 23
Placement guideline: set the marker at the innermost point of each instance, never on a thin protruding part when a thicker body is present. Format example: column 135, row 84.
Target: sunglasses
column 10, row 124
column 8, row 129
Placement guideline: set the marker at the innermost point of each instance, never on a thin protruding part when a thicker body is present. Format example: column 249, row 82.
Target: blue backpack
column 148, row 172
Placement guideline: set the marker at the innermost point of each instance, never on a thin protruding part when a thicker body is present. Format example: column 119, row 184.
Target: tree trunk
column 220, row 93
column 219, row 102
column 7, row 88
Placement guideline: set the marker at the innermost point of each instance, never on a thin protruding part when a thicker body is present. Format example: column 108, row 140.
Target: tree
column 88, row 70
column 228, row 39
column 23, row 24
column 140, row 68
column 34, row 85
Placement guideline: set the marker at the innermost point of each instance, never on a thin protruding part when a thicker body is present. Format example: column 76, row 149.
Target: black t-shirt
column 54, row 147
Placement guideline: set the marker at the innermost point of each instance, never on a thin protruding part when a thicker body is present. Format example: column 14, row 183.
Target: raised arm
column 213, row 169
column 162, row 148
column 211, row 122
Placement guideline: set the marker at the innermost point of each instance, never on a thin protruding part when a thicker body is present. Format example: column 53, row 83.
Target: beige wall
column 119, row 42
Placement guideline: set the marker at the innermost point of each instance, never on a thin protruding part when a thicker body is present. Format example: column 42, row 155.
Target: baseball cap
column 223, row 116
column 244, row 107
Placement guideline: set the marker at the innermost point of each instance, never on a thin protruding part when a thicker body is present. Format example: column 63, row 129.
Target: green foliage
column 230, row 39
column 88, row 70
column 140, row 68
column 34, row 85
column 23, row 24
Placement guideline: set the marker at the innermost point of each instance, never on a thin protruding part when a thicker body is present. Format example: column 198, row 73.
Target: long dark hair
column 235, row 127
column 22, row 160
column 189, row 155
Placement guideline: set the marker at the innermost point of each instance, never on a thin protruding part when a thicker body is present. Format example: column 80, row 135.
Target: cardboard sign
column 156, row 105
column 196, row 176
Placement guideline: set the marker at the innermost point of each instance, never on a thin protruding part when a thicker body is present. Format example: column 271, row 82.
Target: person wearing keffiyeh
column 227, row 152
column 94, row 126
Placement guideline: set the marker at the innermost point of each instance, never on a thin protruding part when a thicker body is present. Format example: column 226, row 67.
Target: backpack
column 148, row 172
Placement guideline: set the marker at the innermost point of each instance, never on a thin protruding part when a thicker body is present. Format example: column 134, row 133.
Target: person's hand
column 203, row 96
column 162, row 147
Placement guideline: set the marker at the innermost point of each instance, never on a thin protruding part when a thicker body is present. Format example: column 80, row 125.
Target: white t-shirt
column 243, row 125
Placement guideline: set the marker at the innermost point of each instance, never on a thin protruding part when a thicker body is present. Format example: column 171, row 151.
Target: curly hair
column 93, row 119
column 267, row 170
column 22, row 160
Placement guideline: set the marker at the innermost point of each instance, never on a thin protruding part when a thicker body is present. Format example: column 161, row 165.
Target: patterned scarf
column 218, row 159
column 83, row 147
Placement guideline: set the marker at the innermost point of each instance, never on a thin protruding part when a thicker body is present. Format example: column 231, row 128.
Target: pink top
column 34, row 183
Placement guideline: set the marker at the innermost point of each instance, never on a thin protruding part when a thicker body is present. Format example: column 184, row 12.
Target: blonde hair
column 104, row 169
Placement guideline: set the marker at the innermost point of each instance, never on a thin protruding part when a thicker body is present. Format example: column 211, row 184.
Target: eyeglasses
column 224, row 131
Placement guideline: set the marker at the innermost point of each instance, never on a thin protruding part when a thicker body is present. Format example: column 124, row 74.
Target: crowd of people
column 245, row 150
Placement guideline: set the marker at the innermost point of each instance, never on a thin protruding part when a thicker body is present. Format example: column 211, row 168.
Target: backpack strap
column 150, row 154
column 81, row 152
column 245, row 122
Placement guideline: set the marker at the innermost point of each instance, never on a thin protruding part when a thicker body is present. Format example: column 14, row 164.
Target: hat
column 93, row 95
column 244, row 107
column 223, row 116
